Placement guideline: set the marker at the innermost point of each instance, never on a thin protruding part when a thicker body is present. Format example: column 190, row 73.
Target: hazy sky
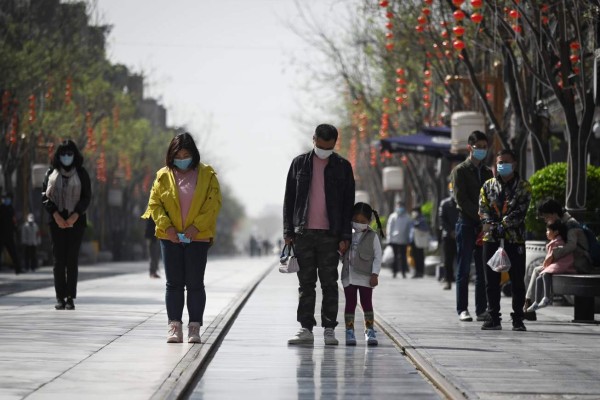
column 230, row 70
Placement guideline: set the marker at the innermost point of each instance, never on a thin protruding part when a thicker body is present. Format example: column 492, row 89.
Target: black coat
column 84, row 199
column 339, row 195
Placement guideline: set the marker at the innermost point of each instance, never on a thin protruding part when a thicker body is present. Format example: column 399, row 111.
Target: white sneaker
column 533, row 307
column 175, row 334
column 465, row 316
column 370, row 337
column 329, row 337
column 303, row 336
column 544, row 303
column 194, row 332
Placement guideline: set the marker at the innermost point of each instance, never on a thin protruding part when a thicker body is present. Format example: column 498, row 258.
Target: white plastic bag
column 500, row 261
column 288, row 263
column 387, row 259
column 421, row 238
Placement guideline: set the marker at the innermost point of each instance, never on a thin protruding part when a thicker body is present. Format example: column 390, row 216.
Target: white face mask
column 322, row 154
column 414, row 215
column 359, row 227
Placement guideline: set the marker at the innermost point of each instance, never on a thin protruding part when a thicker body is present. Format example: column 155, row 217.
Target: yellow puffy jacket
column 164, row 208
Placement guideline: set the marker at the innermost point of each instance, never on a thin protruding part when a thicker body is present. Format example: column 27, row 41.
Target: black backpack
column 593, row 244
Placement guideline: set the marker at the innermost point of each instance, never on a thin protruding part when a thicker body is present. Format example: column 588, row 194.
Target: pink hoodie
column 563, row 265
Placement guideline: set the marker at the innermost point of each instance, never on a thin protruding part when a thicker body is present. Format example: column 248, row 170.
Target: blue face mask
column 504, row 169
column 400, row 210
column 479, row 154
column 7, row 202
column 66, row 160
column 183, row 163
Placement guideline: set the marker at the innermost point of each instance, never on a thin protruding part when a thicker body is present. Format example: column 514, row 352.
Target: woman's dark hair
column 550, row 206
column 183, row 141
column 326, row 132
column 559, row 227
column 67, row 146
column 368, row 212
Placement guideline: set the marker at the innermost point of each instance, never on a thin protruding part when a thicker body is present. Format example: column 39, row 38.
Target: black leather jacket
column 339, row 195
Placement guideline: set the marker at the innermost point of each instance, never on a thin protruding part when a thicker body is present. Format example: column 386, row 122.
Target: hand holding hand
column 72, row 219
column 374, row 281
column 343, row 246
column 172, row 234
column 191, row 232
column 60, row 221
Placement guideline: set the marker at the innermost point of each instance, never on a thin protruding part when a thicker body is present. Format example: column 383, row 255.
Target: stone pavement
column 113, row 345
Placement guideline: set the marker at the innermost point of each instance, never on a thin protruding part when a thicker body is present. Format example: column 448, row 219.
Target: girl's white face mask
column 359, row 227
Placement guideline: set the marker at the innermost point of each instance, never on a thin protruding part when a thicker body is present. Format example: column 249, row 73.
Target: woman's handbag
column 288, row 262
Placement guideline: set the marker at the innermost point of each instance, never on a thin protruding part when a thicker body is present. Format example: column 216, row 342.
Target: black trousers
column 30, row 262
column 65, row 248
column 449, row 246
column 8, row 241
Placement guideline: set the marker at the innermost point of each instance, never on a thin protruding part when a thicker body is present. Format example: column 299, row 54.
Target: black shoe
column 491, row 325
column 60, row 304
column 530, row 316
column 448, row 286
column 518, row 325
column 69, row 304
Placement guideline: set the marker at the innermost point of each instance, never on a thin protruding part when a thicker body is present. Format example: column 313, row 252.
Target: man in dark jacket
column 8, row 228
column 317, row 217
column 448, row 215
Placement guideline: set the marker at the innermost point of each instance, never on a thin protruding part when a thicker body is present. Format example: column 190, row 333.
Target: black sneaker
column 60, row 304
column 518, row 326
column 491, row 325
column 530, row 316
column 69, row 304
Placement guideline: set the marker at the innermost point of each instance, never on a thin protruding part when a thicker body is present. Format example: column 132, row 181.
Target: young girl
column 360, row 271
column 541, row 279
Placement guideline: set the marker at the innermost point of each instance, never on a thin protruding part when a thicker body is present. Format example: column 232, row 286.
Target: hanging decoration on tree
column 68, row 91
column 31, row 114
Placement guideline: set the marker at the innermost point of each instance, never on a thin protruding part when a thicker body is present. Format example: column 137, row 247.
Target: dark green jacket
column 467, row 181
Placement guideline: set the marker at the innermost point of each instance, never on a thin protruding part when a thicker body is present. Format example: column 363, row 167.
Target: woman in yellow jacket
column 184, row 203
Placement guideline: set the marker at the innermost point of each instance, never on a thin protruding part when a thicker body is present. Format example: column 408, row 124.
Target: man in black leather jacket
column 317, row 216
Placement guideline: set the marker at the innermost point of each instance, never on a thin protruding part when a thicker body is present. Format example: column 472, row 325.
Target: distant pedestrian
column 448, row 216
column 467, row 179
column 30, row 239
column 540, row 286
column 66, row 195
column 184, row 203
column 317, row 219
column 360, row 272
column 153, row 247
column 398, row 235
column 419, row 235
column 8, row 229
column 503, row 204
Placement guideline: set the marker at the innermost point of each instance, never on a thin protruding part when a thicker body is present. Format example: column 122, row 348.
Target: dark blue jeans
column 466, row 250
column 184, row 268
column 516, row 254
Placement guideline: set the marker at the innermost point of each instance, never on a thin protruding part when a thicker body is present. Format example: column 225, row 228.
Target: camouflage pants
column 317, row 257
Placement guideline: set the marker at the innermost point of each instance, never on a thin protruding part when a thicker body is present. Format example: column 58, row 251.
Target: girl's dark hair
column 64, row 146
column 368, row 212
column 559, row 227
column 183, row 141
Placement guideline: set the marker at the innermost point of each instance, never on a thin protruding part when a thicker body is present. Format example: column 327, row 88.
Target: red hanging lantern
column 514, row 14
column 400, row 81
column 545, row 20
column 574, row 58
column 426, row 11
column 458, row 3
column 389, row 46
column 544, row 8
column 384, row 3
column 517, row 29
column 476, row 3
column 476, row 17
column 459, row 15
column 458, row 30
column 458, row 45
column 419, row 28
column 428, row 2
column 389, row 15
column 389, row 35
column 31, row 109
column 427, row 73
column 389, row 25
column 400, row 72
column 575, row 46
column 422, row 20
column 445, row 34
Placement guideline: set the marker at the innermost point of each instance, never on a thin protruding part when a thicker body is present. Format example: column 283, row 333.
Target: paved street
column 113, row 345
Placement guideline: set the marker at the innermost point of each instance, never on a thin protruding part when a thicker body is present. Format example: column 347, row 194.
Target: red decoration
column 458, row 3
column 476, row 17
column 517, row 28
column 389, row 35
column 31, row 109
column 426, row 11
column 419, row 28
column 400, row 72
column 389, row 25
column 458, row 30
column 422, row 20
column 458, row 15
column 428, row 2
column 514, row 14
column 476, row 3
column 575, row 46
column 389, row 15
column 458, row 44
column 574, row 58
column 384, row 3
column 68, row 91
column 389, row 46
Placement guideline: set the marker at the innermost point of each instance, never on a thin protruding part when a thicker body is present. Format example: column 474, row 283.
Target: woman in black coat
column 66, row 195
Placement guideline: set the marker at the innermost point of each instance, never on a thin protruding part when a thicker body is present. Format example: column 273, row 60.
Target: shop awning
column 431, row 141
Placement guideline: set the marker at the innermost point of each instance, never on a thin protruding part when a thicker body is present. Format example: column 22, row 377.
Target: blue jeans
column 466, row 250
column 184, row 269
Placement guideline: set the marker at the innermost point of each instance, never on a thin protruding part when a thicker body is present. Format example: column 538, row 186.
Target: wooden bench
column 585, row 288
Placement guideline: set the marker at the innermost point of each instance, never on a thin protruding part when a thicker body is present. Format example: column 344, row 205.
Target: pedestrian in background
column 398, row 233
column 184, row 203
column 317, row 220
column 153, row 247
column 467, row 179
column 448, row 216
column 419, row 235
column 30, row 239
column 8, row 229
column 66, row 195
column 503, row 204
column 360, row 272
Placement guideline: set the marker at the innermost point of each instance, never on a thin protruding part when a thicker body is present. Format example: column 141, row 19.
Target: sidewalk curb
column 438, row 377
column 181, row 379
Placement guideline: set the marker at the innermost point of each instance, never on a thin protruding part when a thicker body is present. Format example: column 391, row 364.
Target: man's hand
column 343, row 246
column 190, row 232
column 172, row 234
column 60, row 221
column 374, row 281
column 288, row 240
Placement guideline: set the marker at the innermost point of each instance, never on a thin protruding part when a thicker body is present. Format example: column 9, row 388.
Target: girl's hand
column 374, row 281
column 343, row 246
column 172, row 234
column 191, row 232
